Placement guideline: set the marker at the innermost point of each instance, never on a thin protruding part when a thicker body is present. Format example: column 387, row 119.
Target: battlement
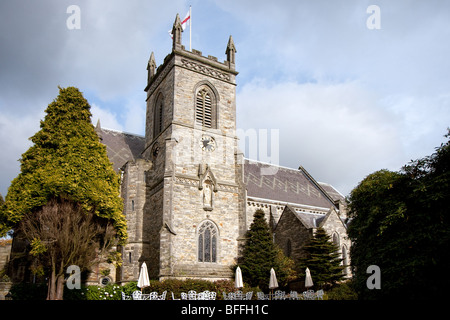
column 193, row 56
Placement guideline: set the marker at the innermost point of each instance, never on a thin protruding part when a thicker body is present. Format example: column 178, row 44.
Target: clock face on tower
column 208, row 143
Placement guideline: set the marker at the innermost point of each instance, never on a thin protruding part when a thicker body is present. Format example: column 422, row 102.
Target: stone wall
column 338, row 233
column 5, row 251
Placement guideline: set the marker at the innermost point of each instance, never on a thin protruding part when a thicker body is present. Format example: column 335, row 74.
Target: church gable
column 292, row 232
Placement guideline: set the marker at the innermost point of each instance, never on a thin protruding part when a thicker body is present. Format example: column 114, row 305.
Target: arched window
column 336, row 239
column 158, row 115
column 205, row 108
column 207, row 242
column 289, row 248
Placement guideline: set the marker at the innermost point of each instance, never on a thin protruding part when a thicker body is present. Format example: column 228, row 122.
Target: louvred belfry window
column 204, row 109
column 158, row 115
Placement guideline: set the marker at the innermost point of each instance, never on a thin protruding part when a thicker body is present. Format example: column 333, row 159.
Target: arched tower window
column 158, row 115
column 207, row 242
column 205, row 108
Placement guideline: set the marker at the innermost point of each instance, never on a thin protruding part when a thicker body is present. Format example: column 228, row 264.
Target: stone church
column 189, row 194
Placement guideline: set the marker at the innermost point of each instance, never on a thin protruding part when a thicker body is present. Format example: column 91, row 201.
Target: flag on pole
column 187, row 20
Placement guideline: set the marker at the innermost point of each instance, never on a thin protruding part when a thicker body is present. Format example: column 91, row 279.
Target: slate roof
column 287, row 185
column 121, row 146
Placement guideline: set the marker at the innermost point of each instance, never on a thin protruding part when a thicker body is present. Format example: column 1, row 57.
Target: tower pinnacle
column 176, row 33
column 151, row 67
column 230, row 52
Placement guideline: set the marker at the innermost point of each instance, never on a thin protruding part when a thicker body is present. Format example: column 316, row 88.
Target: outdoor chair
column 212, row 295
column 231, row 296
column 162, row 296
column 125, row 297
column 293, row 295
column 249, row 295
column 238, row 295
column 225, row 296
column 137, row 295
column 261, row 296
column 184, row 296
column 192, row 295
column 319, row 294
column 153, row 296
column 209, row 295
column 201, row 296
column 279, row 295
column 308, row 295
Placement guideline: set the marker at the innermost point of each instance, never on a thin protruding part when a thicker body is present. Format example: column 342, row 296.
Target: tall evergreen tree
column 66, row 159
column 67, row 162
column 323, row 259
column 260, row 254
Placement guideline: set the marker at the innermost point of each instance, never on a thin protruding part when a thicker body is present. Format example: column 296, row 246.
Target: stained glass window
column 207, row 242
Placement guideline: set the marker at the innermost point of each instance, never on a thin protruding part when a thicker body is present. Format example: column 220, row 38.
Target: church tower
column 192, row 218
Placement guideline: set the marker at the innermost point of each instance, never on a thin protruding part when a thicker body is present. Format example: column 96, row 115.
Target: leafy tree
column 373, row 204
column 66, row 161
column 400, row 222
column 63, row 234
column 3, row 220
column 260, row 254
column 323, row 259
column 66, row 158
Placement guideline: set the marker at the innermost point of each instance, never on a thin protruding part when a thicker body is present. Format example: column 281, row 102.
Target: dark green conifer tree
column 260, row 254
column 66, row 177
column 66, row 159
column 323, row 259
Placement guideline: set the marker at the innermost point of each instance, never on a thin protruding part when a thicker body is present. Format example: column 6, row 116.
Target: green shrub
column 28, row 291
column 109, row 292
column 343, row 291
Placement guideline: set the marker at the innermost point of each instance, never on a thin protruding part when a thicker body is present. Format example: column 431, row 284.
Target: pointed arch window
column 289, row 248
column 205, row 108
column 207, row 242
column 158, row 115
column 336, row 239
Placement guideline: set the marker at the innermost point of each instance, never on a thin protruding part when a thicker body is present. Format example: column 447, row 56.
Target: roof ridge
column 123, row 132
column 271, row 164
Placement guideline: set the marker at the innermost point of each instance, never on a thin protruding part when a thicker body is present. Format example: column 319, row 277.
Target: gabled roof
column 286, row 185
column 121, row 146
column 332, row 211
column 309, row 220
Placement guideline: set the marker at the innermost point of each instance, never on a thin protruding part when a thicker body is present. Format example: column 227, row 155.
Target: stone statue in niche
column 207, row 195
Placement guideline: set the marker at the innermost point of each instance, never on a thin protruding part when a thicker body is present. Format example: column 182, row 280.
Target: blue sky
column 347, row 100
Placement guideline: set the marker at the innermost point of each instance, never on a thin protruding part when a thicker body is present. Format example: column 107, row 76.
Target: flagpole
column 190, row 29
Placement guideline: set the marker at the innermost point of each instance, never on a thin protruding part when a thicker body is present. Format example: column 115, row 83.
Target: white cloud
column 15, row 132
column 135, row 116
column 107, row 118
column 338, row 132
